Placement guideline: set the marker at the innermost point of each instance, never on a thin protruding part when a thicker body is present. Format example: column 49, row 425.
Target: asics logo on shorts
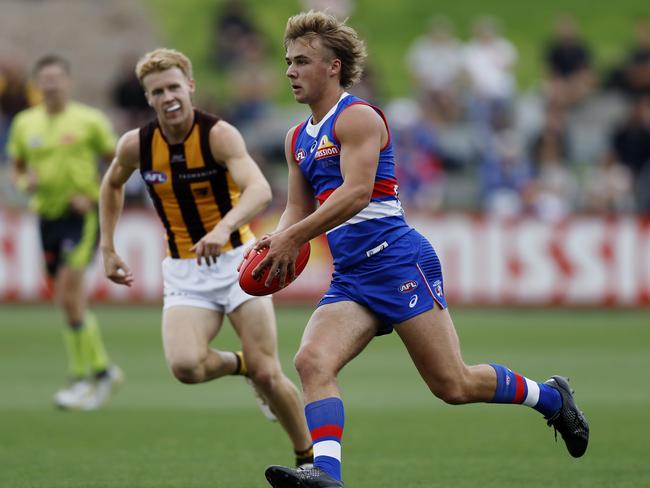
column 414, row 301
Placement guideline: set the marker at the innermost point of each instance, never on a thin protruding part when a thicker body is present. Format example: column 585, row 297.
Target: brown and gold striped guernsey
column 190, row 190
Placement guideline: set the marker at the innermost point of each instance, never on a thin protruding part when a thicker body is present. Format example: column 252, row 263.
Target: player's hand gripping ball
column 255, row 286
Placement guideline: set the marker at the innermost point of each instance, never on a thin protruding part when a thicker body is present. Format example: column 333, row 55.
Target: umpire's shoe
column 281, row 477
column 569, row 421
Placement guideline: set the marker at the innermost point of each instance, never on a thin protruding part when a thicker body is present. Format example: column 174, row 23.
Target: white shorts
column 215, row 287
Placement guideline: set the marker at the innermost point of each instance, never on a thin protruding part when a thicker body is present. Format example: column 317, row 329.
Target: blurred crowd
column 466, row 137
column 579, row 141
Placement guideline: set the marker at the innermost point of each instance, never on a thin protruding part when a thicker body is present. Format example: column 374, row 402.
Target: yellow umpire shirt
column 63, row 150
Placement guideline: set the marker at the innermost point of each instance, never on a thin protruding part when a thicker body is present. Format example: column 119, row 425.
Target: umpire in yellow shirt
column 55, row 148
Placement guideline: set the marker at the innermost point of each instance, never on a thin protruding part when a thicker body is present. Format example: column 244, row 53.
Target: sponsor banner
column 583, row 261
column 139, row 240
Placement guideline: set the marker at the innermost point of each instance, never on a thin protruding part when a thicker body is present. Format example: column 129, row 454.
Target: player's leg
column 82, row 231
column 337, row 332
column 432, row 342
column 187, row 331
column 80, row 389
column 58, row 238
column 254, row 322
column 193, row 311
column 71, row 296
column 84, row 344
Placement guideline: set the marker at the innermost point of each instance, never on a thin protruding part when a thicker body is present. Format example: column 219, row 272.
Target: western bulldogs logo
column 437, row 289
column 154, row 177
column 408, row 286
column 300, row 155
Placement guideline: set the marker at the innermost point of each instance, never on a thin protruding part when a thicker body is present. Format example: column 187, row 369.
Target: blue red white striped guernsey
column 316, row 150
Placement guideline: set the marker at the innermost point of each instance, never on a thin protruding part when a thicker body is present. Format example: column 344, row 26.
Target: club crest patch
column 437, row 290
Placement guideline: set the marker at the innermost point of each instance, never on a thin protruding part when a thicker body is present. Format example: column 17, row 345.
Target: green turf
column 158, row 433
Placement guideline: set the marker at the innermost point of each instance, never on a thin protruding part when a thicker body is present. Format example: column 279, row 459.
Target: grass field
column 158, row 433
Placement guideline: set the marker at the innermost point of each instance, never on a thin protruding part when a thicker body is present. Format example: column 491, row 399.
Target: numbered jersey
column 316, row 151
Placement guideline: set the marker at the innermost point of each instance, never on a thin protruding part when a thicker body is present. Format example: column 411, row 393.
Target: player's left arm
column 361, row 132
column 228, row 146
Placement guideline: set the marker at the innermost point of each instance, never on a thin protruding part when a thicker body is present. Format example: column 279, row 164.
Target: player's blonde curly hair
column 341, row 39
column 162, row 59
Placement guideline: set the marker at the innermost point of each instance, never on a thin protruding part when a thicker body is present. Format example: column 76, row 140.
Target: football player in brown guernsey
column 206, row 188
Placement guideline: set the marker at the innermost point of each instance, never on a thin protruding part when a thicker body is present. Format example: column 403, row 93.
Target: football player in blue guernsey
column 386, row 275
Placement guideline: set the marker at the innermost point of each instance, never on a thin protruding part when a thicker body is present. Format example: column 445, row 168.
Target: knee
column 454, row 391
column 68, row 301
column 186, row 371
column 264, row 377
column 309, row 363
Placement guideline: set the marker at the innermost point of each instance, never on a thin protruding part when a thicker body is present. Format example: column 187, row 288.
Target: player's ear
column 146, row 95
column 335, row 67
column 192, row 86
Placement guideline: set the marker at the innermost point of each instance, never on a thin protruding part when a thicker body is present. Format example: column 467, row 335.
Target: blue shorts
column 396, row 284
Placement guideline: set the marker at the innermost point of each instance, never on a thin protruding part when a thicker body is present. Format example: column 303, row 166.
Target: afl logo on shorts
column 408, row 286
column 154, row 177
column 300, row 155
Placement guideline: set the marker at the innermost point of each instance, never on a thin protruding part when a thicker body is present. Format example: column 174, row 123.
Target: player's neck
column 176, row 133
column 53, row 107
column 323, row 105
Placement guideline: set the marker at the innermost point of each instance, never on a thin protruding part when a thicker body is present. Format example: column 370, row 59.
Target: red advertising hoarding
column 583, row 261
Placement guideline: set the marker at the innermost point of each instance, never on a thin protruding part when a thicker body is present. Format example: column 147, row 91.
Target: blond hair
column 341, row 39
column 162, row 59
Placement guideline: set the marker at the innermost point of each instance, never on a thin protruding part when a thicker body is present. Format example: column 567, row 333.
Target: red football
column 256, row 287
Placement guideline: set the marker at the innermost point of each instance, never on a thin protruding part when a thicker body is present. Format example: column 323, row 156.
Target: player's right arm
column 22, row 178
column 111, row 202
column 300, row 198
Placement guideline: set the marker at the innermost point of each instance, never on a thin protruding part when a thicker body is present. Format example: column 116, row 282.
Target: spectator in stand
column 633, row 75
column 638, row 68
column 488, row 61
column 420, row 162
column 569, row 72
column 128, row 97
column 368, row 86
column 16, row 95
column 552, row 194
column 623, row 181
column 233, row 26
column 133, row 111
column 504, row 168
column 630, row 147
column 253, row 83
column 434, row 62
